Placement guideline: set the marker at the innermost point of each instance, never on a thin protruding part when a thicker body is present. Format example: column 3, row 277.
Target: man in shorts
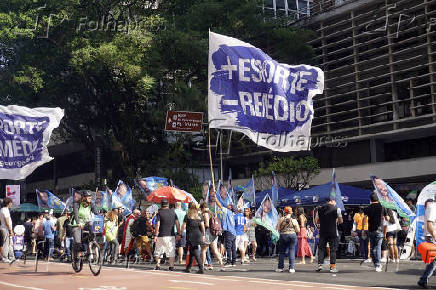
column 165, row 238
column 430, row 237
column 241, row 241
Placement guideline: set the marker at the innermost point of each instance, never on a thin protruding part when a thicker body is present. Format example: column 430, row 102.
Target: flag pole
column 211, row 165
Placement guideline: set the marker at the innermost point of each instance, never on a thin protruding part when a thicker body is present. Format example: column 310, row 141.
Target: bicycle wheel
column 95, row 258
column 77, row 262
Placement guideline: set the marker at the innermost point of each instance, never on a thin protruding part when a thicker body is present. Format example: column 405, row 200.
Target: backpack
column 137, row 229
column 215, row 226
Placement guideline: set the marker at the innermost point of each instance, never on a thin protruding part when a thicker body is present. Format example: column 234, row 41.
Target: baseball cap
column 164, row 202
column 86, row 193
column 330, row 198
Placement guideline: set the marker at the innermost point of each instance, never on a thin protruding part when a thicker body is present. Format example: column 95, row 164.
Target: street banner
column 149, row 184
column 389, row 198
column 47, row 200
column 251, row 93
column 184, row 121
column 24, row 135
column 427, row 193
column 335, row 192
column 13, row 192
column 267, row 217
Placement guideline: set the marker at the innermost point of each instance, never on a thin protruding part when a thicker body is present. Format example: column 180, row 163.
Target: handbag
column 309, row 234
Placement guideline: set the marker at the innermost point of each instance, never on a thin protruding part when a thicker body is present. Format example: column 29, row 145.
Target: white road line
column 335, row 288
column 19, row 286
column 213, row 278
column 281, row 284
column 192, row 282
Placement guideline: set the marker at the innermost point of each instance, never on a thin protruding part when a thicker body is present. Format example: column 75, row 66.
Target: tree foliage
column 117, row 66
column 290, row 172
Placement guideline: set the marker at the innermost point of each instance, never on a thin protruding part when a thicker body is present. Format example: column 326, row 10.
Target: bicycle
column 92, row 254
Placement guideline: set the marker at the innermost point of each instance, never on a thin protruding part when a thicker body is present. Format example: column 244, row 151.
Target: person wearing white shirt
column 7, row 231
column 391, row 228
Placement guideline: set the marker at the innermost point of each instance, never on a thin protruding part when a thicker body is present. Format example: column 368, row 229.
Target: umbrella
column 169, row 193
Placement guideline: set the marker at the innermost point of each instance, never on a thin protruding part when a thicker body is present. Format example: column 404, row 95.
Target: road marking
column 335, row 288
column 193, row 282
column 19, row 286
column 221, row 279
column 281, row 284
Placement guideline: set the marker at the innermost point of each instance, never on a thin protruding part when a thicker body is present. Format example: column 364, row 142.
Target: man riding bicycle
column 82, row 218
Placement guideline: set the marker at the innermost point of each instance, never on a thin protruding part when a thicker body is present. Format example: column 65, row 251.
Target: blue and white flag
column 427, row 193
column 123, row 195
column 267, row 212
column 222, row 195
column 250, row 191
column 47, row 200
column 24, row 135
column 335, row 192
column 149, row 184
column 274, row 190
column 230, row 190
column 389, row 198
column 251, row 93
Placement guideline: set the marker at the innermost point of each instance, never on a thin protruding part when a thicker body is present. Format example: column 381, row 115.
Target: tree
column 117, row 66
column 290, row 172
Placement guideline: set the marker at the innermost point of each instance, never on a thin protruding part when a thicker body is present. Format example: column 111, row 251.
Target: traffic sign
column 183, row 121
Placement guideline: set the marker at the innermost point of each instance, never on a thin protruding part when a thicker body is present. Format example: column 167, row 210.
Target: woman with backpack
column 210, row 239
column 289, row 229
column 303, row 246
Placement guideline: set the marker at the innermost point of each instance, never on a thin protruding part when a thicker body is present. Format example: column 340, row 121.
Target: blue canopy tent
column 285, row 196
column 350, row 195
column 316, row 195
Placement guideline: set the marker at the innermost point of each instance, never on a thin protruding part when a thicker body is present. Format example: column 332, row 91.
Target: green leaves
column 291, row 172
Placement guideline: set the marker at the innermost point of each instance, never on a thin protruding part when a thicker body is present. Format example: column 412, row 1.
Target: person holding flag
column 229, row 231
column 327, row 218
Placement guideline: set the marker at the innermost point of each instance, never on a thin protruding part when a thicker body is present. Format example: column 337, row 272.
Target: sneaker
column 334, row 270
column 422, row 284
column 157, row 267
column 187, row 270
column 200, row 271
column 222, row 269
column 279, row 270
column 397, row 260
column 171, row 269
column 6, row 261
column 378, row 269
column 210, row 268
column 367, row 261
column 319, row 268
column 228, row 265
column 383, row 260
column 326, row 262
column 291, row 270
column 233, row 265
column 253, row 258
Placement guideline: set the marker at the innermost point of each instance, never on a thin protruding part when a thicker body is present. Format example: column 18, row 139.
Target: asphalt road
column 352, row 275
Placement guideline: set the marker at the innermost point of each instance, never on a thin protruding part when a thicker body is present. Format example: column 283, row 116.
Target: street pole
column 221, row 154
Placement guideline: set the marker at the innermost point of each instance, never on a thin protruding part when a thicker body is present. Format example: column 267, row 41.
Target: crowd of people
column 224, row 233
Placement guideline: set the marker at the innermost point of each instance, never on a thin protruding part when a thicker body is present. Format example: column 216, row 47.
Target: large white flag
column 251, row 93
column 24, row 135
